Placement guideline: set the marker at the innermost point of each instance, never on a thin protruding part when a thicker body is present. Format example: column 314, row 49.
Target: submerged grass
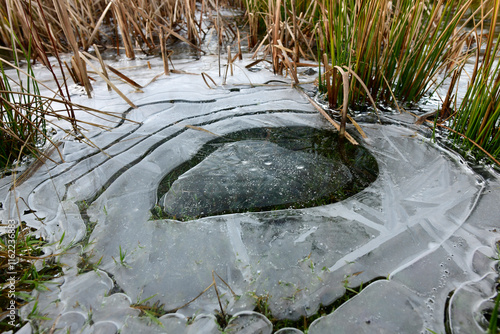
column 19, row 251
column 262, row 306
column 153, row 311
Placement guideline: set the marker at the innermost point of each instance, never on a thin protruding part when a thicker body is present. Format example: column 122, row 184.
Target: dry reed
column 77, row 25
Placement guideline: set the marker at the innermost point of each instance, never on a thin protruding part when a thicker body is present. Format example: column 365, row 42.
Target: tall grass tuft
column 25, row 113
column 395, row 48
column 478, row 116
column 22, row 112
column 393, row 51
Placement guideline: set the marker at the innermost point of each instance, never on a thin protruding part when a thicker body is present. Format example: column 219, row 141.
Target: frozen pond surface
column 248, row 177
column 423, row 232
column 265, row 169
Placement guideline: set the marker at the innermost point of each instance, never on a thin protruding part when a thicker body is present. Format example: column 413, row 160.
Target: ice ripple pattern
column 422, row 232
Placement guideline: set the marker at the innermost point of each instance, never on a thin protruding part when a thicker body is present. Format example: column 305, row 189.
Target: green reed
column 394, row 48
column 22, row 110
column 393, row 51
column 478, row 116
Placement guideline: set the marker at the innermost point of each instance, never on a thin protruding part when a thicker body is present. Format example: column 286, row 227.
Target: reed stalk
column 24, row 111
column 80, row 24
column 397, row 51
column 395, row 48
column 478, row 116
column 22, row 116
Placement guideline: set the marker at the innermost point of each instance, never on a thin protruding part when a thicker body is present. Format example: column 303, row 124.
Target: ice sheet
column 425, row 228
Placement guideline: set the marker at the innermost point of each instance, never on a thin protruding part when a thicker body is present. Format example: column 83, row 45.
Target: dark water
column 309, row 167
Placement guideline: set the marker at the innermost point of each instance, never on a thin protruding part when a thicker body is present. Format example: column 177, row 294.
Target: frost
column 423, row 230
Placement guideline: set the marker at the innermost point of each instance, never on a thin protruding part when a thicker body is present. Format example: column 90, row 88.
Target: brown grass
column 84, row 23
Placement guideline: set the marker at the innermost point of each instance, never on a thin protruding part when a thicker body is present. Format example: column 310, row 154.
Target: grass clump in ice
column 19, row 274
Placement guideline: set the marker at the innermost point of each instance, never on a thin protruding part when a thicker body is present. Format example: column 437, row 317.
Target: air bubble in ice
column 433, row 245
